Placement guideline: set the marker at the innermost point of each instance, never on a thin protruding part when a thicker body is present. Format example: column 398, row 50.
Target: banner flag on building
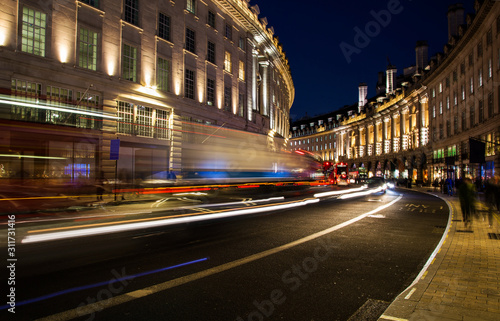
column 477, row 151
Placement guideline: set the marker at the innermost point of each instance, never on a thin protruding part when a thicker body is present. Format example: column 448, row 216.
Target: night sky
column 312, row 33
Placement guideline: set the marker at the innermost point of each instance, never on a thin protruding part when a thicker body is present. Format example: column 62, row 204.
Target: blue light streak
column 95, row 285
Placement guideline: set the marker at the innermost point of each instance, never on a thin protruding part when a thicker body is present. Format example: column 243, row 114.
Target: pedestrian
column 491, row 197
column 467, row 196
column 449, row 186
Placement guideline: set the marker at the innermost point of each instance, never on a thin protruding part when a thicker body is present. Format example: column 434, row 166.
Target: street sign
column 114, row 150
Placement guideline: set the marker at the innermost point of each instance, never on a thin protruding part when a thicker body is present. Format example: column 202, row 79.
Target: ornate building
column 76, row 76
column 421, row 129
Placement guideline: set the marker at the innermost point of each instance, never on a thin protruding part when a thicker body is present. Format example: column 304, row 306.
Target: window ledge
column 83, row 4
column 158, row 38
column 190, row 52
column 125, row 23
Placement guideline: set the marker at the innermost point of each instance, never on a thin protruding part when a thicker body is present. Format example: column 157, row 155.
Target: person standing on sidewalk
column 467, row 196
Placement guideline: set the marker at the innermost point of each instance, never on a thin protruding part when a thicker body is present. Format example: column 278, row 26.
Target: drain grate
column 465, row 231
column 494, row 236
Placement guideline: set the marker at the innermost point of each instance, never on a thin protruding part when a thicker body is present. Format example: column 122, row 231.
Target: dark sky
column 312, row 33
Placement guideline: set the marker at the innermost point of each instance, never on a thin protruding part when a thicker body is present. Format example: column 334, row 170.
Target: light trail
column 172, row 220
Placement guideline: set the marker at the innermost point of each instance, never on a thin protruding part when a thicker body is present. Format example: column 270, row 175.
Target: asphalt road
column 322, row 261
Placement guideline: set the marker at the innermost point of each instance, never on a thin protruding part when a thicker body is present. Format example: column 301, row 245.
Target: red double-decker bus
column 339, row 174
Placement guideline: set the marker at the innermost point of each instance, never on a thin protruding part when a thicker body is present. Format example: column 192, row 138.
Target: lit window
column 163, row 74
column 190, row 6
column 241, row 72
column 33, row 32
column 227, row 61
column 161, row 124
column 126, row 114
column 132, row 12
column 480, row 77
column 144, row 121
column 87, row 51
column 129, row 63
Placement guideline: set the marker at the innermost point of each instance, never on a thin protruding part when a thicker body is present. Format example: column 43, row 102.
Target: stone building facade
column 421, row 130
column 77, row 75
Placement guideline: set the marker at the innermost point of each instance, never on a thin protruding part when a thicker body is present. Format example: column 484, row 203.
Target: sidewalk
column 461, row 281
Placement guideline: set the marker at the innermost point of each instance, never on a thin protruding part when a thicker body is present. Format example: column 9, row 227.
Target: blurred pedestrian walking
column 467, row 196
column 491, row 195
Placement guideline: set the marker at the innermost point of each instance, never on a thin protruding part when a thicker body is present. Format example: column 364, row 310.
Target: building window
column 480, row 49
column 455, row 124
column 471, row 59
column 455, row 98
column 189, row 84
column 480, row 111
column 448, row 102
column 241, row 43
column 472, row 116
column 210, row 92
column 144, row 121
column 471, row 85
column 441, row 131
column 241, row 70
column 93, row 3
column 190, row 6
column 480, row 77
column 129, row 63
column 227, row 98
column 132, row 12
column 464, row 120
column 163, row 74
column 33, row 33
column 211, row 52
column 227, row 61
column 228, row 32
column 490, row 69
column 161, row 124
column 190, row 40
column 440, row 87
column 164, row 26
column 211, row 19
column 126, row 114
column 489, row 38
column 463, row 92
column 87, row 49
column 434, row 111
column 448, row 129
column 490, row 105
column 440, row 108
column 90, row 102
column 462, row 68
column 241, row 105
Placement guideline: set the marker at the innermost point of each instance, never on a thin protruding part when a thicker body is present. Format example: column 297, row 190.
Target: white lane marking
column 410, row 294
column 103, row 304
column 387, row 317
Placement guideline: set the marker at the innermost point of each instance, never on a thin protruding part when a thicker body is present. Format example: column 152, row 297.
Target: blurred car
column 377, row 182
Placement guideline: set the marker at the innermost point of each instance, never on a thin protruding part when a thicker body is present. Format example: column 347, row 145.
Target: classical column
column 265, row 87
column 255, row 71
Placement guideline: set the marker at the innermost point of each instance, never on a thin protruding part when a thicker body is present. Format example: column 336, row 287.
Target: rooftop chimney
column 390, row 79
column 455, row 18
column 422, row 54
column 363, row 92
